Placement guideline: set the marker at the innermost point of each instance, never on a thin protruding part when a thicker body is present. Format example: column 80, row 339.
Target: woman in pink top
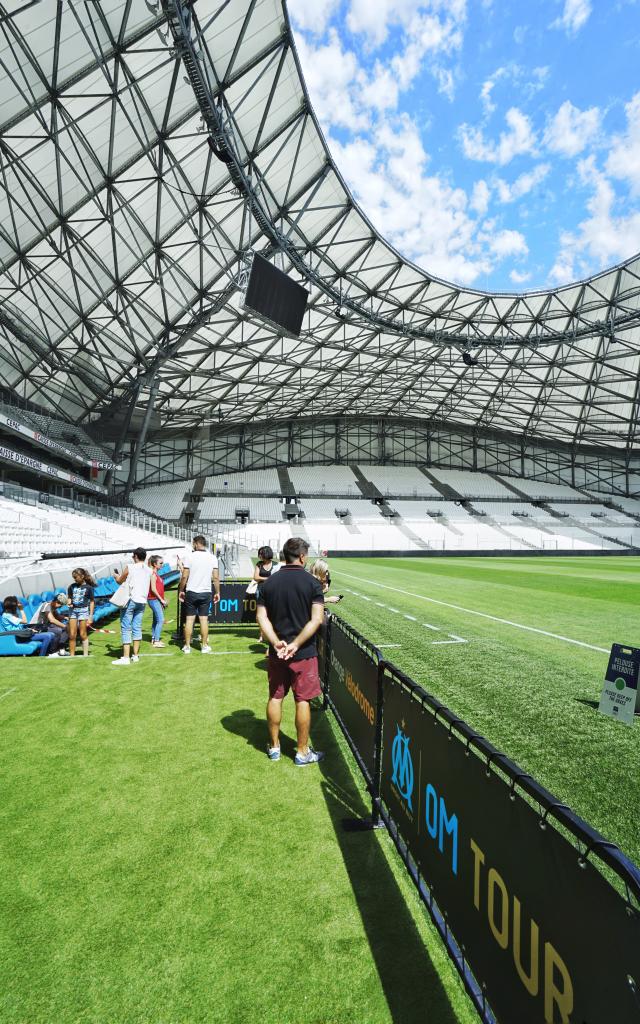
column 156, row 600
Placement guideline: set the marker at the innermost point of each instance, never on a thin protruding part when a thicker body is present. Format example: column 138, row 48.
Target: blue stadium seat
column 10, row 647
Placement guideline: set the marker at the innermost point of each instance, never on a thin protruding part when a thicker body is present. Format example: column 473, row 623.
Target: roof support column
column 133, row 466
column 117, row 451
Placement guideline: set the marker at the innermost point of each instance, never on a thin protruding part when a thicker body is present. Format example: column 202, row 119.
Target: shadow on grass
column 593, row 704
column 254, row 730
column 411, row 984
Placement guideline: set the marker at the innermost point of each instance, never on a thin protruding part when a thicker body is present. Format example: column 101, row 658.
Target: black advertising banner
column 546, row 935
column 321, row 644
column 353, row 690
column 234, row 606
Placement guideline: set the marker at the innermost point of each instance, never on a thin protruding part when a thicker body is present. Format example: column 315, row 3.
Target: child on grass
column 81, row 607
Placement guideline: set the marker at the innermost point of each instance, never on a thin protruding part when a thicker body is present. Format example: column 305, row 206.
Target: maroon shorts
column 300, row 676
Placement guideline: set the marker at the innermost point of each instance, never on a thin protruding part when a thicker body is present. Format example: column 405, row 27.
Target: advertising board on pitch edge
column 544, row 934
column 353, row 688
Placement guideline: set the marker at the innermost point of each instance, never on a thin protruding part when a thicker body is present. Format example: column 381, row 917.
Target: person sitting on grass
column 51, row 621
column 82, row 600
column 156, row 600
column 13, row 618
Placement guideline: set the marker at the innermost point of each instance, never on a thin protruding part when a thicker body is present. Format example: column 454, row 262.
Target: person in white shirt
column 199, row 576
column 139, row 577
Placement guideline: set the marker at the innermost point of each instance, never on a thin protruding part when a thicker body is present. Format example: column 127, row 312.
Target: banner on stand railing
column 545, row 935
column 353, row 690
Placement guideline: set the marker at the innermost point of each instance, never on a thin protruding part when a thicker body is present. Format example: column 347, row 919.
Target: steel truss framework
column 366, row 439
column 122, row 236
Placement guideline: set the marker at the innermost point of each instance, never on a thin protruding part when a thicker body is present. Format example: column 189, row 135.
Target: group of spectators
column 69, row 614
column 290, row 611
column 267, row 565
column 199, row 576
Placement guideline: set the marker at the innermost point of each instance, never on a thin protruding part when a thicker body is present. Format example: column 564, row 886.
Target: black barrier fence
column 539, row 913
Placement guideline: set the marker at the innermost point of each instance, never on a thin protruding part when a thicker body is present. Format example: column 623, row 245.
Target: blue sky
column 495, row 143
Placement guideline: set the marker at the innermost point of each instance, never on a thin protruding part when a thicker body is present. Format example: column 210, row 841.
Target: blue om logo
column 402, row 766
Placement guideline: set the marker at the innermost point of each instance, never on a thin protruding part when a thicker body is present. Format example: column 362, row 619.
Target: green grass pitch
column 155, row 867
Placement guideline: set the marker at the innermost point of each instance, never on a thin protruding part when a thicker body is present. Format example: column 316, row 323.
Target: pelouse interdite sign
column 547, row 938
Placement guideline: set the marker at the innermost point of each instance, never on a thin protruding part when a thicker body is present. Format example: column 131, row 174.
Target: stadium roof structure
column 148, row 147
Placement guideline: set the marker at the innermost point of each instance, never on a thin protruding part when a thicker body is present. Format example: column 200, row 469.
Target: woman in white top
column 140, row 579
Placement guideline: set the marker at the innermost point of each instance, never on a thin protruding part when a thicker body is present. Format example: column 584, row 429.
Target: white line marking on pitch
column 472, row 611
column 253, row 653
column 436, row 629
column 7, row 692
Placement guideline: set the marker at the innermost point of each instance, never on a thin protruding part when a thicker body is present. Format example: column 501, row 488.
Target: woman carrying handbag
column 137, row 576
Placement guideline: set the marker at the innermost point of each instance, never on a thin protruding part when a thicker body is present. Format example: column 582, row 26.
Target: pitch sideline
column 471, row 611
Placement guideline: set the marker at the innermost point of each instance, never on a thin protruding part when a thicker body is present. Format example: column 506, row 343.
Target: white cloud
column 603, row 238
column 384, row 159
column 519, row 278
column 374, row 18
column 488, row 86
column 313, row 15
column 570, row 130
column 508, row 243
column 420, row 213
column 508, row 193
column 519, row 138
column 574, row 15
column 480, row 196
column 624, row 157
column 529, row 83
column 434, row 27
column 335, row 80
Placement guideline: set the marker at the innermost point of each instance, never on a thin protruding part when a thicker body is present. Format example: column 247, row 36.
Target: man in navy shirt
column 290, row 612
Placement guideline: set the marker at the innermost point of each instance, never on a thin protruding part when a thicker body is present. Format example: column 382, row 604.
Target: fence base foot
column 361, row 824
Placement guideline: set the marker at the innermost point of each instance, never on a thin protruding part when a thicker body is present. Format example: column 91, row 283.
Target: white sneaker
column 135, row 657
column 205, row 650
column 54, row 655
column 186, row 650
column 121, row 661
